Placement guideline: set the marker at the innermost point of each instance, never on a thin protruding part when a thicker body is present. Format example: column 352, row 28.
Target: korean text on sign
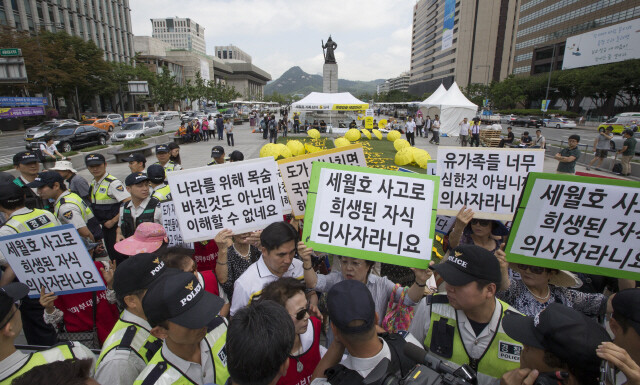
column 54, row 258
column 171, row 225
column 373, row 214
column 240, row 196
column 589, row 225
column 296, row 172
column 487, row 180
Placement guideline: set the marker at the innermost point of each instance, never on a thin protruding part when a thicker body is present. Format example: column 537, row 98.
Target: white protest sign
column 444, row 224
column 374, row 214
column 432, row 166
column 485, row 179
column 284, row 199
column 171, row 225
column 240, row 196
column 296, row 171
column 582, row 224
column 54, row 258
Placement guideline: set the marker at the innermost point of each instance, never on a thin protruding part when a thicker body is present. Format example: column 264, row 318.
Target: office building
column 180, row 33
column 105, row 22
column 153, row 53
column 475, row 49
column 231, row 52
column 400, row 83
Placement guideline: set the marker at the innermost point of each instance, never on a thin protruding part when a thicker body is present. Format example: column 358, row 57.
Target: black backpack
column 617, row 168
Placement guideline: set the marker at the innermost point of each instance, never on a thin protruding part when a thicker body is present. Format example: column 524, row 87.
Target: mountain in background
column 296, row 81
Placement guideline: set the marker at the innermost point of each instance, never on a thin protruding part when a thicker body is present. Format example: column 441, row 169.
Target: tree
column 166, row 90
column 477, row 92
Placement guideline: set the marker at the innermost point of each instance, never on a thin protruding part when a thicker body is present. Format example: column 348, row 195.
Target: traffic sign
column 5, row 52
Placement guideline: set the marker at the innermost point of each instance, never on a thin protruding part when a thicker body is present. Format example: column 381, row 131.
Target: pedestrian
column 137, row 162
column 475, row 132
column 435, row 127
column 525, row 139
column 264, row 126
column 601, row 146
column 217, row 155
column 567, row 157
column 273, row 130
column 627, row 151
column 197, row 135
column 235, row 254
column 141, row 208
column 164, row 159
column 205, row 130
column 48, row 148
column 410, row 131
column 220, row 126
column 26, row 163
column 174, row 152
column 509, row 139
column 228, row 128
column 419, row 123
column 157, row 181
column 427, row 126
column 296, row 122
column 190, row 135
column 468, row 230
column 464, row 132
column 540, row 141
column 76, row 183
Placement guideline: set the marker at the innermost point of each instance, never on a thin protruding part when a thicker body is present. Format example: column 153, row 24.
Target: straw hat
column 63, row 165
column 562, row 278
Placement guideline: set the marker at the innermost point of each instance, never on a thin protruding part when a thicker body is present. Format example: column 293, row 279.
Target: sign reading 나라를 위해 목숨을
column 582, row 224
column 239, row 196
column 54, row 258
column 296, row 171
column 487, row 180
column 373, row 214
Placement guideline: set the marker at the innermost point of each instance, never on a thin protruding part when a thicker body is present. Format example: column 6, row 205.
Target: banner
column 54, row 258
column 17, row 112
column 171, row 225
column 296, row 171
column 487, row 180
column 12, row 101
column 374, row 214
column 544, row 106
column 582, row 224
column 240, row 196
column 448, row 24
column 368, row 122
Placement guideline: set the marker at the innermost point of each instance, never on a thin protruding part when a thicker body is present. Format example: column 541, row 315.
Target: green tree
column 477, row 92
column 166, row 89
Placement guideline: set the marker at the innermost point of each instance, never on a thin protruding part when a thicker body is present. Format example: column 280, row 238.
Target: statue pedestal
column 330, row 78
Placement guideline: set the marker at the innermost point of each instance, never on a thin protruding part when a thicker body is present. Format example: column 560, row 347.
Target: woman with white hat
column 75, row 183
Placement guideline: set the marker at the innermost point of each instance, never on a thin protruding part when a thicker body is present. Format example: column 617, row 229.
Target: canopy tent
column 341, row 101
column 454, row 107
column 428, row 102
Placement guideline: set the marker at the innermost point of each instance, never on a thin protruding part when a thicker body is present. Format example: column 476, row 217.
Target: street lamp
column 553, row 61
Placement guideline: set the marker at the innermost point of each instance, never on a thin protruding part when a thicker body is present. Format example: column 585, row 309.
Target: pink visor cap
column 147, row 239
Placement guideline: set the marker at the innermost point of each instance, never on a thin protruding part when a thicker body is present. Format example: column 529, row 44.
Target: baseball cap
column 560, row 330
column 94, row 159
column 180, row 298
column 156, row 173
column 236, row 156
column 162, row 148
column 135, row 178
column 469, row 263
column 9, row 294
column 147, row 238
column 627, row 304
column 24, row 157
column 350, row 301
column 173, row 145
column 137, row 273
column 135, row 157
column 63, row 165
column 46, row 178
column 217, row 151
column 10, row 192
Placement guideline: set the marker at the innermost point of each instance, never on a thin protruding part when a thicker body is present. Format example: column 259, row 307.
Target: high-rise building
column 399, row 83
column 474, row 48
column 180, row 33
column 106, row 22
column 231, row 52
column 545, row 25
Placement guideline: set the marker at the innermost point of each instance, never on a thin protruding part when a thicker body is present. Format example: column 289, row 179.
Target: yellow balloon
column 382, row 123
column 366, row 133
column 283, row 151
column 399, row 144
column 392, row 136
column 269, row 149
column 311, row 148
column 315, row 134
column 341, row 142
column 296, row 147
column 377, row 133
column 352, row 135
column 420, row 157
column 404, row 157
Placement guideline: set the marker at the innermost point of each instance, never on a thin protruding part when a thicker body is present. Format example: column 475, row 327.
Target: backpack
column 617, row 168
column 272, row 126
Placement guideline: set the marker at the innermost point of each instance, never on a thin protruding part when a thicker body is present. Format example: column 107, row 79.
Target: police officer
column 465, row 325
column 68, row 207
column 180, row 312
column 164, row 159
column 217, row 155
column 106, row 194
column 159, row 189
column 26, row 163
column 137, row 162
column 13, row 362
column 130, row 345
column 141, row 207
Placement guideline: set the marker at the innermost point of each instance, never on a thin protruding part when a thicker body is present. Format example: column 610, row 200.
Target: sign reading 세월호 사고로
column 487, row 180
column 239, row 196
column 296, row 171
column 54, row 258
column 582, row 224
column 373, row 214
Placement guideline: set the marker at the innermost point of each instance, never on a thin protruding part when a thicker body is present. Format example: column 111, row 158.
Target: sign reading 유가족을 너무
column 576, row 223
column 54, row 258
column 373, row 214
column 239, row 196
column 487, row 180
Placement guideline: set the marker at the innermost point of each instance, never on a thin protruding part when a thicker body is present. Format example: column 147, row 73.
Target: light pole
column 553, row 61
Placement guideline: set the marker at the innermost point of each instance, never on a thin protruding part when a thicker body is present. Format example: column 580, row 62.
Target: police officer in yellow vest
column 186, row 317
column 106, row 194
column 13, row 362
column 22, row 219
column 159, row 189
column 130, row 345
column 464, row 326
column 164, row 159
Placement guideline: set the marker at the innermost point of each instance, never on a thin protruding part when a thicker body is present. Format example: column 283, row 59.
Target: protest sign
column 171, row 225
column 297, row 171
column 54, row 258
column 444, row 224
column 582, row 224
column 487, row 180
column 374, row 214
column 432, row 166
column 284, row 199
column 240, row 196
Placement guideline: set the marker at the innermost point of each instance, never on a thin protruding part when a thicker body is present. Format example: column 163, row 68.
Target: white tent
column 339, row 101
column 427, row 107
column 454, row 107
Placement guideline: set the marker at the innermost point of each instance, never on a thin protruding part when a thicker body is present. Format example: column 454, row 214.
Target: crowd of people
column 263, row 308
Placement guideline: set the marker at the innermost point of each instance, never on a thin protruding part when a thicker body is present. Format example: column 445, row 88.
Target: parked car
column 560, row 123
column 36, row 133
column 527, row 121
column 159, row 119
column 171, row 114
column 617, row 141
column 133, row 118
column 136, row 130
column 189, row 116
column 116, row 119
column 71, row 137
column 622, row 121
column 229, row 114
column 508, row 119
column 103, row 124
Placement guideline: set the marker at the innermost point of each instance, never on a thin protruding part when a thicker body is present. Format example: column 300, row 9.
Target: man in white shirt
column 540, row 141
column 464, row 132
column 410, row 128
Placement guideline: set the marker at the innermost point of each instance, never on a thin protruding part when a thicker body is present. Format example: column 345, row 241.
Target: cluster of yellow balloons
column 353, row 135
column 408, row 155
column 292, row 148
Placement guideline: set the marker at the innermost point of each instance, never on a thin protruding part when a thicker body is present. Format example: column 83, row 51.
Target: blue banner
column 12, row 101
column 447, row 24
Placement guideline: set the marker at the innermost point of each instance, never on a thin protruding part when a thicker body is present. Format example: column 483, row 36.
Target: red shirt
column 206, row 254
column 77, row 310
column 308, row 359
column 210, row 282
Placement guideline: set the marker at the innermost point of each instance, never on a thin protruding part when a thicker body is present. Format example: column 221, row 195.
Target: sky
column 373, row 36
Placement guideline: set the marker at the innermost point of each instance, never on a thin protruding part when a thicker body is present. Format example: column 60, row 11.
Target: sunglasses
column 300, row 315
column 533, row 269
column 11, row 314
column 480, row 222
